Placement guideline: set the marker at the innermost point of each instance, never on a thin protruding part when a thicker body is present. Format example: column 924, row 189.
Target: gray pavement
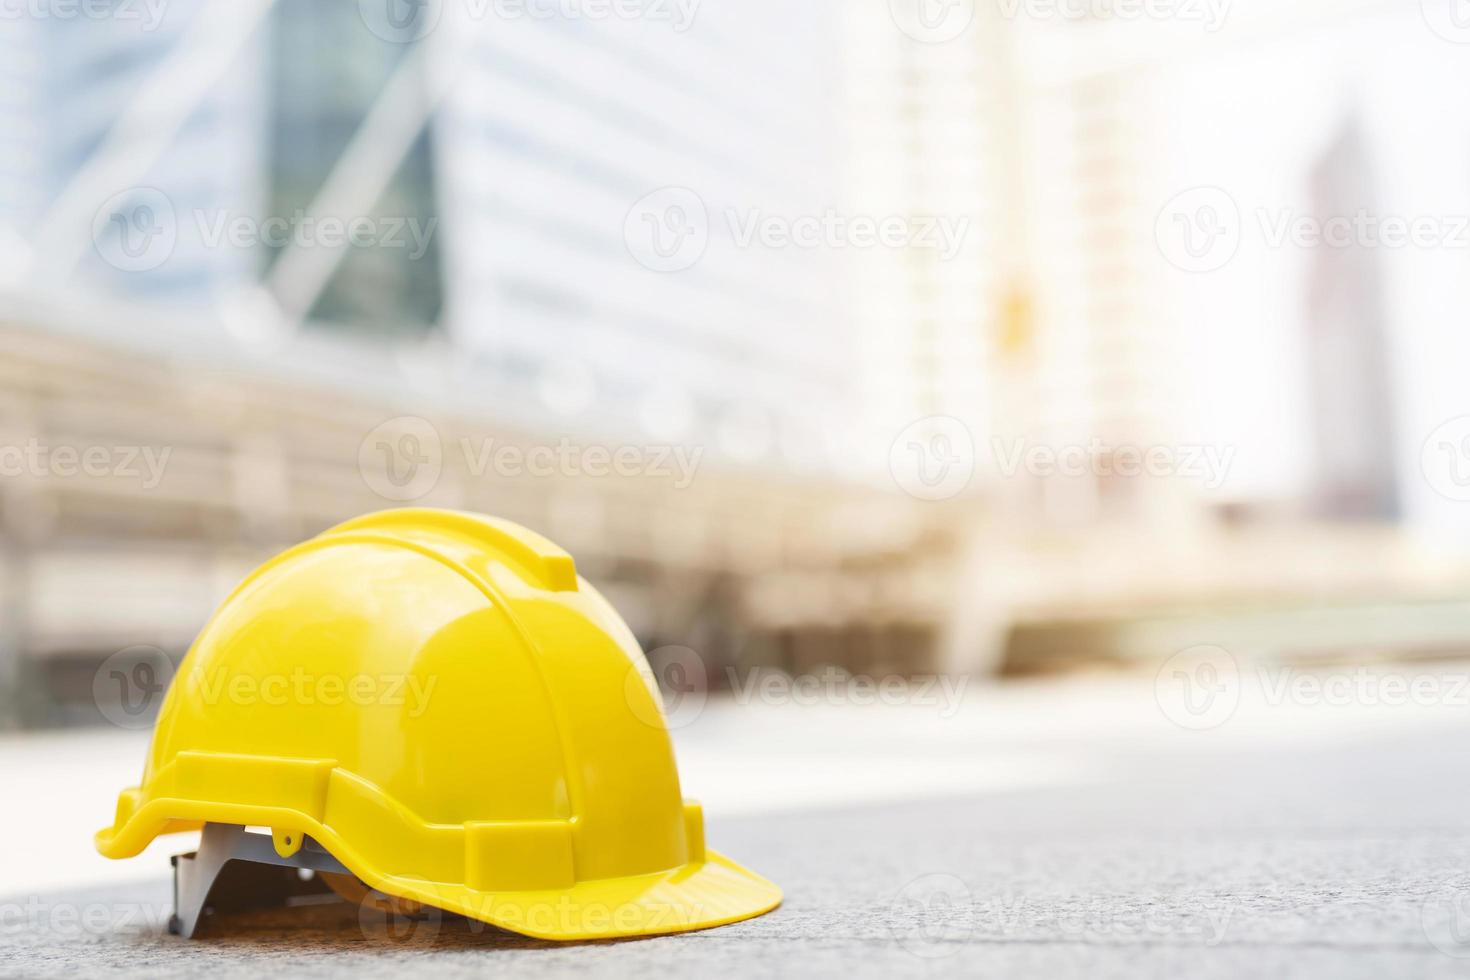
column 1352, row 861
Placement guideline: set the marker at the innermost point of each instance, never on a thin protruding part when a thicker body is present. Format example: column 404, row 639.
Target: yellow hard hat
column 444, row 706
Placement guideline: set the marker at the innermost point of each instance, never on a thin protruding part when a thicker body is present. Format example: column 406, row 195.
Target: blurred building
column 595, row 196
column 21, row 157
column 94, row 104
column 1280, row 357
column 927, row 141
column 1348, row 349
column 324, row 73
column 571, row 140
column 531, row 320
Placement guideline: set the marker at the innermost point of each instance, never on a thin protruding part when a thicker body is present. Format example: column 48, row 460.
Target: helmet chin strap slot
column 234, row 870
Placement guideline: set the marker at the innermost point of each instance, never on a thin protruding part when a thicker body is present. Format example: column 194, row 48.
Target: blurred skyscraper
column 98, row 104
column 563, row 141
column 326, row 70
column 596, row 177
column 926, row 142
column 1353, row 411
column 21, row 163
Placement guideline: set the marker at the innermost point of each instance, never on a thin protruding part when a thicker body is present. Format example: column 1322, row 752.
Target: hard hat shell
column 441, row 702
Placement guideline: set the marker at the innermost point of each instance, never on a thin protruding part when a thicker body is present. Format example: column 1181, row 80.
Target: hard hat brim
column 715, row 892
column 700, row 895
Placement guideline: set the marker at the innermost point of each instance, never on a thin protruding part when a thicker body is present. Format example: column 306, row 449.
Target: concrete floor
column 1190, row 855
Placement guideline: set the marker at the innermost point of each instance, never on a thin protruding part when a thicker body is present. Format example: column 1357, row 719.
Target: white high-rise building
column 21, row 165
column 924, row 147
column 85, row 74
column 608, row 191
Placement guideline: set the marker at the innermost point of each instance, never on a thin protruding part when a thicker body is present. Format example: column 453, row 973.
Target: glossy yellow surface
column 441, row 702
